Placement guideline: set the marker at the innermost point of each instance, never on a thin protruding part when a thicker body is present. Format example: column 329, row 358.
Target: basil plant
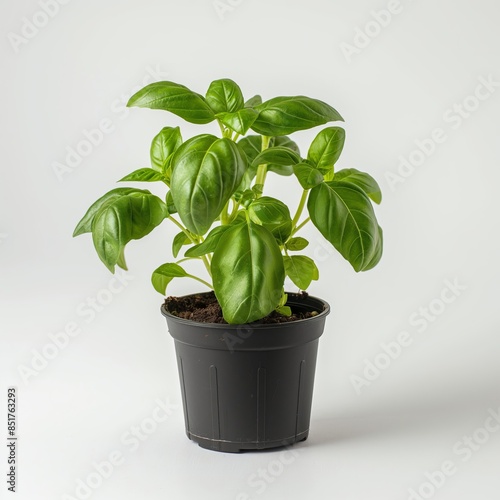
column 247, row 240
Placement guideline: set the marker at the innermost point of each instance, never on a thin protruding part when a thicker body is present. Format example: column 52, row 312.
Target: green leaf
column 163, row 145
column 363, row 180
column 121, row 261
column 280, row 170
column 308, row 176
column 165, row 274
column 252, row 146
column 205, row 173
column 248, row 273
column 295, row 244
column 285, row 142
column 253, row 101
column 85, row 225
column 127, row 218
column 345, row 217
column 326, row 148
column 284, row 310
column 210, row 243
column 301, row 270
column 285, row 115
column 274, row 215
column 179, row 241
column 170, row 203
column 378, row 251
column 239, row 121
column 244, row 198
column 224, row 96
column 278, row 155
column 143, row 175
column 175, row 98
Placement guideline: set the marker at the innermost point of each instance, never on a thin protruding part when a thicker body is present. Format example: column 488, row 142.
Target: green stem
column 201, row 281
column 222, row 128
column 236, row 205
column 300, row 226
column 262, row 169
column 300, row 208
column 183, row 229
column 194, row 241
column 224, row 215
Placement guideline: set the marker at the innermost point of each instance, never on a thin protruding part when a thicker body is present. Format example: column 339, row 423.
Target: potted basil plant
column 246, row 349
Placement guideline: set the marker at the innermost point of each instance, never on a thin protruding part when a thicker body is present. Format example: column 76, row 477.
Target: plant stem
column 262, row 169
column 224, row 216
column 222, row 129
column 195, row 242
column 300, row 226
column 183, row 229
column 201, row 281
column 300, row 208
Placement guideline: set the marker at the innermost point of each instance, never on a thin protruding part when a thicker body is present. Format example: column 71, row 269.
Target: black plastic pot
column 248, row 387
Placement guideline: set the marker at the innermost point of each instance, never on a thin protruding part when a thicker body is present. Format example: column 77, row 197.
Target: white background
column 440, row 224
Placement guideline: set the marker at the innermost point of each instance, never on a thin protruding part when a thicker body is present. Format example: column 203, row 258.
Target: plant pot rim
column 293, row 299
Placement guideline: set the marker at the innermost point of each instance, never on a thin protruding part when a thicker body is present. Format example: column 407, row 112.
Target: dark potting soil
column 204, row 308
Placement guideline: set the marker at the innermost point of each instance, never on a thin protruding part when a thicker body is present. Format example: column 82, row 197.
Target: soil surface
column 204, row 308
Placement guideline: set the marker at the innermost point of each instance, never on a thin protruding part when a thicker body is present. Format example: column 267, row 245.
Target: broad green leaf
column 253, row 101
column 175, row 98
column 378, row 252
column 252, row 146
column 326, row 148
column 178, row 242
column 278, row 155
column 363, row 180
column 308, row 176
column 274, row 215
column 280, row 169
column 248, row 273
column 85, row 225
column 301, row 270
column 239, row 121
column 163, row 145
column 127, row 218
column 170, row 203
column 143, row 175
column 284, row 310
column 165, row 274
column 210, row 243
column 344, row 215
column 244, row 198
column 224, row 96
column 285, row 142
column 205, row 173
column 295, row 244
column 121, row 261
column 285, row 115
